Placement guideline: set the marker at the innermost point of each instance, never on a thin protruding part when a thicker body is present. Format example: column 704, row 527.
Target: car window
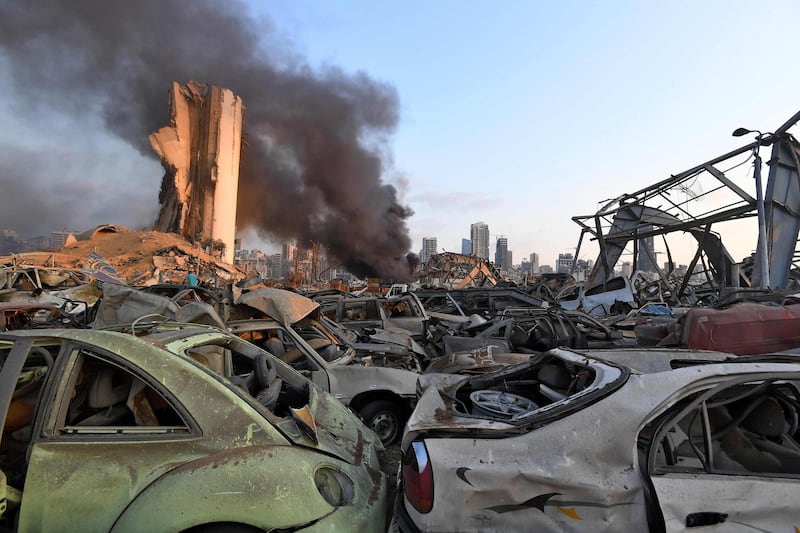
column 107, row 397
column 25, row 400
column 360, row 311
column 747, row 429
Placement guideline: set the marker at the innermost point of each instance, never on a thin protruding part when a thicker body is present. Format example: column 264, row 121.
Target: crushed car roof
column 284, row 306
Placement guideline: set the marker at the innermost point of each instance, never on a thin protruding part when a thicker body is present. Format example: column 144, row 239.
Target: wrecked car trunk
column 524, row 394
column 743, row 329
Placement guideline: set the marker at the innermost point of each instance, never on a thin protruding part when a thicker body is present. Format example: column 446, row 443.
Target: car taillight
column 418, row 478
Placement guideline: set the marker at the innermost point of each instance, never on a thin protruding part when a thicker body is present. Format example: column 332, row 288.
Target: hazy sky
column 519, row 113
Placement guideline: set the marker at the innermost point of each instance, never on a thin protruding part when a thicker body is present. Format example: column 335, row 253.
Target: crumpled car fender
column 262, row 486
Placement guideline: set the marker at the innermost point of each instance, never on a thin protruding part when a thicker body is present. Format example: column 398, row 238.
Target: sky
column 520, row 114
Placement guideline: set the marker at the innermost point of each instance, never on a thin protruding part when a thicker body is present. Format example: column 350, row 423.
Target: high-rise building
column 479, row 235
column 429, row 248
column 466, row 246
column 534, row 259
column 502, row 255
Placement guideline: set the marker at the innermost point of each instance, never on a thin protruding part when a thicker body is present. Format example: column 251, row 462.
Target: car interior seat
column 766, row 427
column 108, row 394
column 274, row 346
column 554, row 381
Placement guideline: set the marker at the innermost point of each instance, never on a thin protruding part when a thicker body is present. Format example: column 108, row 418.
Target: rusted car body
column 578, row 441
column 15, row 315
column 743, row 329
column 184, row 428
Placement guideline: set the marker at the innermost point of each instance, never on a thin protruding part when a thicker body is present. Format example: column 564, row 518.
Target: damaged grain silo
column 200, row 151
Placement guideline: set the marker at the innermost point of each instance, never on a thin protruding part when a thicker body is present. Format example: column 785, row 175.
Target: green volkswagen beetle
column 184, row 429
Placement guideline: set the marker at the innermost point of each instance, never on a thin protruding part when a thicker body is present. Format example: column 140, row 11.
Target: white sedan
column 623, row 440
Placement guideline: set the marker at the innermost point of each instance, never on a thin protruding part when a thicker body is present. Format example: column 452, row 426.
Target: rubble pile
column 130, row 257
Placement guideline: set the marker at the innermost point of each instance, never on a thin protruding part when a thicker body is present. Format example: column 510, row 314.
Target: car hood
column 397, row 337
column 284, row 306
column 333, row 429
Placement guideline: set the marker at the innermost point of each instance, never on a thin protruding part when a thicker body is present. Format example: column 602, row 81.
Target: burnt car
column 175, row 428
column 618, row 440
column 404, row 312
column 25, row 315
column 376, row 381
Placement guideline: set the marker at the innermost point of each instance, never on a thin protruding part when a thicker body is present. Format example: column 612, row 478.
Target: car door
column 727, row 458
column 406, row 313
column 361, row 314
column 104, row 434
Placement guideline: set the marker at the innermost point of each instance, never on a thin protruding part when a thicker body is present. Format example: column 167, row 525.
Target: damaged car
column 174, row 429
column 616, row 440
column 404, row 312
column 378, row 384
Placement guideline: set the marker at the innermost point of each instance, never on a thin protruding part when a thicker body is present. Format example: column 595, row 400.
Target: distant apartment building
column 252, row 260
column 466, row 246
column 582, row 269
column 545, row 269
column 429, row 248
column 288, row 255
column 502, row 257
column 534, row 261
column 564, row 263
column 479, row 235
column 275, row 266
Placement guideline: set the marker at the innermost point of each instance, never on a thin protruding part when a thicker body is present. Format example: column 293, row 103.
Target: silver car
column 623, row 440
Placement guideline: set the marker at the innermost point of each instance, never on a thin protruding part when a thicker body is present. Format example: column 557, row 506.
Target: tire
column 384, row 418
column 225, row 527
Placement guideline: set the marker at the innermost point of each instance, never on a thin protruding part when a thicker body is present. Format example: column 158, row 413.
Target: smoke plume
column 316, row 139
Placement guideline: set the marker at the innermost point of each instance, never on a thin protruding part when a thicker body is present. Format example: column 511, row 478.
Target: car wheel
column 226, row 527
column 383, row 417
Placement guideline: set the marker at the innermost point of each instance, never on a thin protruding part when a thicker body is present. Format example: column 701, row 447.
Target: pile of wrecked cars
column 514, row 416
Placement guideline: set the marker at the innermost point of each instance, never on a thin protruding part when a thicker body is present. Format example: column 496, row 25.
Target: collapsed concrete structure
column 200, row 152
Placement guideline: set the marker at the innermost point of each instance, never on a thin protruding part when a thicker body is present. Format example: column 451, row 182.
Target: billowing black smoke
column 316, row 140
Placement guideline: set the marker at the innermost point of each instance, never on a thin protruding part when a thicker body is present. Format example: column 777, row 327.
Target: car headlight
column 334, row 486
